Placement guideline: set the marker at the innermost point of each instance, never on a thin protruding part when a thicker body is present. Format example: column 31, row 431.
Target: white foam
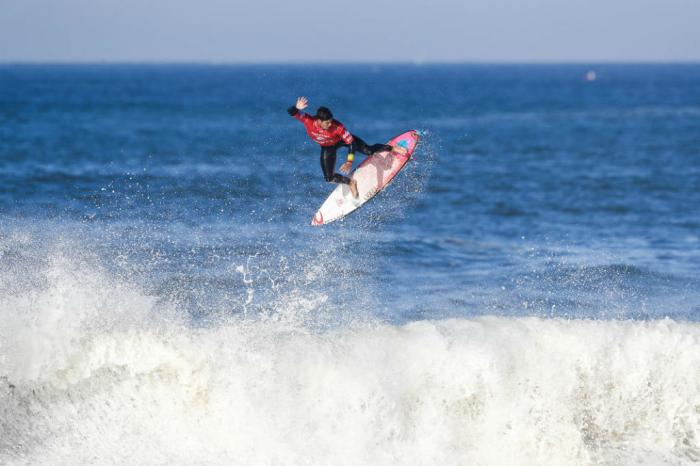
column 90, row 374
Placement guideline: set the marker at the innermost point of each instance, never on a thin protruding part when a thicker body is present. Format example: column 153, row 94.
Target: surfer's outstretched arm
column 302, row 103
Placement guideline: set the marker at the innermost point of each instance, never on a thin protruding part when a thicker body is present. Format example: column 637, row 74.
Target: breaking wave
column 93, row 370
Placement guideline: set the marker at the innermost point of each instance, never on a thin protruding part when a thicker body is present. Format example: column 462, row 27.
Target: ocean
column 526, row 291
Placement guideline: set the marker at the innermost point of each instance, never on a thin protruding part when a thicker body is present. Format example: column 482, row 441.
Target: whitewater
column 94, row 371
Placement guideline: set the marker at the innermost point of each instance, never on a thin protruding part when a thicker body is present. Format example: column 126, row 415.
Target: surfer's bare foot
column 353, row 188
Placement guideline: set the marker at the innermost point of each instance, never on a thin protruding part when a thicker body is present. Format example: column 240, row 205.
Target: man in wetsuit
column 331, row 135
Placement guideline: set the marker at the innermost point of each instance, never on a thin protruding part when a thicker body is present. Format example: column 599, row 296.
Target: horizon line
column 545, row 62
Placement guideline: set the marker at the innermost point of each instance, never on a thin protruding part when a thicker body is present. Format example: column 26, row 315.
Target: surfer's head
column 324, row 116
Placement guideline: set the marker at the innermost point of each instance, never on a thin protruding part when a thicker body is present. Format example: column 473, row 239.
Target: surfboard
column 372, row 175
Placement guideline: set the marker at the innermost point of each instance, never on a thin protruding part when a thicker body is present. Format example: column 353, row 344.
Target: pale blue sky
column 357, row 30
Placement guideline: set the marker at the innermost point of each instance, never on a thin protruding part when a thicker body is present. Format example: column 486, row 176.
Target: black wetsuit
column 329, row 153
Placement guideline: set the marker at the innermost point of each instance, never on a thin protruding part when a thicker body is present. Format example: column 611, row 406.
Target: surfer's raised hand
column 302, row 103
column 345, row 168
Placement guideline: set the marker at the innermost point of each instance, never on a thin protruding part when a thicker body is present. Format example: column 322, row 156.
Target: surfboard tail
column 318, row 219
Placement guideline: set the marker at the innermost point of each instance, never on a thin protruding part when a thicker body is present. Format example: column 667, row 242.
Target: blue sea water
column 156, row 258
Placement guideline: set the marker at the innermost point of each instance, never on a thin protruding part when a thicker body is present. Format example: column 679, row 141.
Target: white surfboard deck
column 372, row 175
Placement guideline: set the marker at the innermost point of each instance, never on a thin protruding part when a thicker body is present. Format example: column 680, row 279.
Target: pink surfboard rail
column 372, row 176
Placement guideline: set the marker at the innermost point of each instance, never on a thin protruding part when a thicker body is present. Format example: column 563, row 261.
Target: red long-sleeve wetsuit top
column 325, row 137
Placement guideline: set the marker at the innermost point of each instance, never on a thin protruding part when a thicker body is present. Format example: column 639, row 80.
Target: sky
column 291, row 31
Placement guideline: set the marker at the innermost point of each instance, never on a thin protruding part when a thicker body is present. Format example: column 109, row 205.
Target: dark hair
column 324, row 114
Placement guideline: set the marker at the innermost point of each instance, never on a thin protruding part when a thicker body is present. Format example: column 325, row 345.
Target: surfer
column 331, row 135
